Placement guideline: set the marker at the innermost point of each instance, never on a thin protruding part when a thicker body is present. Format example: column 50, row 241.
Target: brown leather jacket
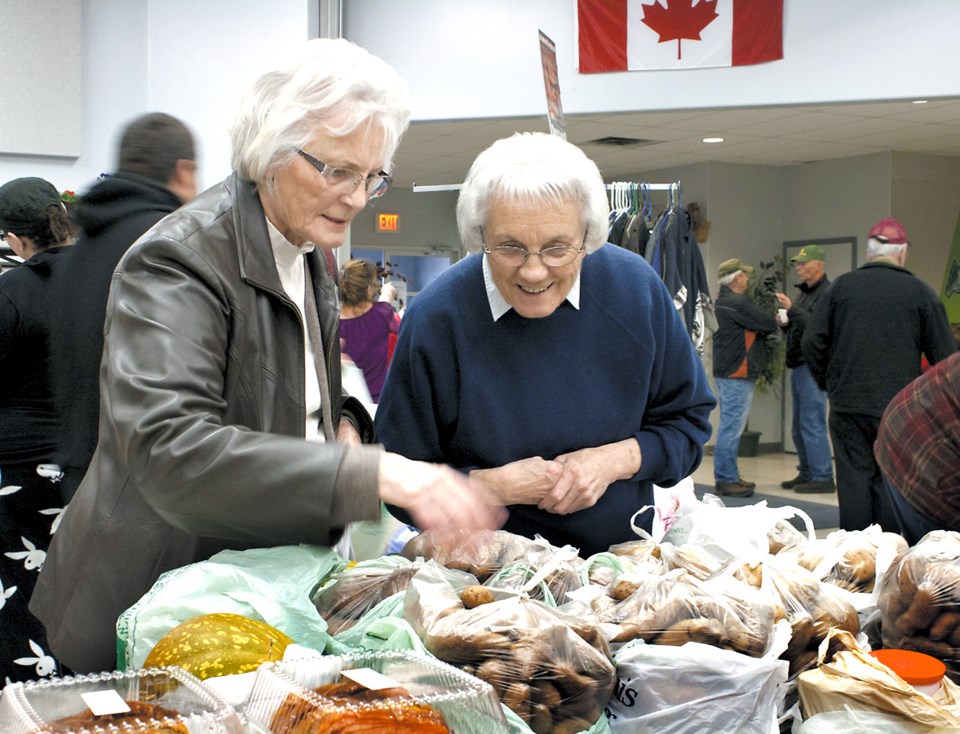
column 201, row 424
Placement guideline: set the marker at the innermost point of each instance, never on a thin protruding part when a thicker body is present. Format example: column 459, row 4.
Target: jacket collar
column 253, row 241
column 810, row 288
column 255, row 255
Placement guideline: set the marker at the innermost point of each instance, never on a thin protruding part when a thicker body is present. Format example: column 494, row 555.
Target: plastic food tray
column 30, row 708
column 468, row 704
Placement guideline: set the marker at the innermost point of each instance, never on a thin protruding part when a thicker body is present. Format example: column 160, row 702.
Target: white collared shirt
column 499, row 305
column 290, row 267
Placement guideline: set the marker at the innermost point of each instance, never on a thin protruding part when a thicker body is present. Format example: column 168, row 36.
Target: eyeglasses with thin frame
column 343, row 180
column 553, row 256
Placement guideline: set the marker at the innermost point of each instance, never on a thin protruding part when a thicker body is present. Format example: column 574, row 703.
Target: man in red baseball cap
column 863, row 344
column 888, row 232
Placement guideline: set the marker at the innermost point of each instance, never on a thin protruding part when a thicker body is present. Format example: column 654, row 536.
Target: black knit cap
column 24, row 202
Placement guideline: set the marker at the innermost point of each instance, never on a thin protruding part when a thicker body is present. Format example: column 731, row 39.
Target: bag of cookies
column 850, row 559
column 478, row 552
column 919, row 599
column 345, row 599
column 677, row 608
column 551, row 669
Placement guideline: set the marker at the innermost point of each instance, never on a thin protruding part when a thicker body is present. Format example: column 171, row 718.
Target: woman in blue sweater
column 553, row 369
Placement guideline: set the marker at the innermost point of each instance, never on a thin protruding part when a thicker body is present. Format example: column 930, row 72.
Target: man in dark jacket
column 156, row 173
column 739, row 357
column 815, row 468
column 863, row 344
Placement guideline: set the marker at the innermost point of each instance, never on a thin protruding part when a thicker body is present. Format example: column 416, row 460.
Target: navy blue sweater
column 474, row 393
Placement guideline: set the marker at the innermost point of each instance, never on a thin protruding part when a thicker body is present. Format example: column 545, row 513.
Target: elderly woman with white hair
column 222, row 356
column 554, row 370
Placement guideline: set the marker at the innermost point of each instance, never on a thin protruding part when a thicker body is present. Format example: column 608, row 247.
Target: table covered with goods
column 733, row 620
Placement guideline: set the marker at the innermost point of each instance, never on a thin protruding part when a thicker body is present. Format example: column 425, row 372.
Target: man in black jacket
column 739, row 357
column 156, row 173
column 863, row 344
column 815, row 468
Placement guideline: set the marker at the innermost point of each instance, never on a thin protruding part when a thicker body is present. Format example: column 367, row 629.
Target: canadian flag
column 622, row 35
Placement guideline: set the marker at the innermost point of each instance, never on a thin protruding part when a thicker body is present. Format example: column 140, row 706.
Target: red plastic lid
column 916, row 668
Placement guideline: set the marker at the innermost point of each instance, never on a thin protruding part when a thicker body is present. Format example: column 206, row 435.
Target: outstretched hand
column 436, row 496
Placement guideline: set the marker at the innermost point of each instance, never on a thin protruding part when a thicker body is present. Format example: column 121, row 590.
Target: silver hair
column 729, row 278
column 332, row 86
column 534, row 167
column 876, row 248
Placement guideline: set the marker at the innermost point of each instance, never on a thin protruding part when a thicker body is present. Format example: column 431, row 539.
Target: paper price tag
column 104, row 703
column 369, row 678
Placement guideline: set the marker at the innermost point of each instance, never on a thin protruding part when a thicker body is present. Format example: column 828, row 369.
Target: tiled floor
column 767, row 470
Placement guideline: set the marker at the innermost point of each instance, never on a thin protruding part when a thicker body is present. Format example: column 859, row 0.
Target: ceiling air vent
column 619, row 142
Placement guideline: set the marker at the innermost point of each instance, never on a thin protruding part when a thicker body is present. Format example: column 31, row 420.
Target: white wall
column 926, row 198
column 456, row 56
column 188, row 58
column 192, row 59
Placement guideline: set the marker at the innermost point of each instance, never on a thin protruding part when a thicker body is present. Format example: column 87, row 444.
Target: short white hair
column 534, row 167
column 332, row 85
column 876, row 248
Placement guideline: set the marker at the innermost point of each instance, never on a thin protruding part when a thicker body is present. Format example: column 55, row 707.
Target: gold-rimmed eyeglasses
column 343, row 180
column 553, row 256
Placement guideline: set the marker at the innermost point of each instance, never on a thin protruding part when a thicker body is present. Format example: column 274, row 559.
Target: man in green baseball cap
column 808, row 253
column 740, row 355
column 809, row 428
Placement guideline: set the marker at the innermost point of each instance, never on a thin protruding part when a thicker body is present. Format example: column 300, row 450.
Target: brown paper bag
column 852, row 679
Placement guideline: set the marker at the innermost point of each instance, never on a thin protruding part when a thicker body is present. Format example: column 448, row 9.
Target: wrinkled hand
column 784, row 300
column 523, row 482
column 436, row 496
column 347, row 433
column 588, row 472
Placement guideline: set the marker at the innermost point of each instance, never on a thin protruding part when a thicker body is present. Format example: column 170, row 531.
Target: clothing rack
column 633, row 197
column 675, row 186
column 672, row 187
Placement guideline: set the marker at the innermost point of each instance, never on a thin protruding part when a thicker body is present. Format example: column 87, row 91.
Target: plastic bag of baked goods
column 552, row 670
column 479, row 552
column 383, row 626
column 729, row 532
column 812, row 607
column 695, row 688
column 919, row 599
column 677, row 608
column 850, row 559
column 548, row 573
column 847, row 679
column 356, row 590
column 270, row 584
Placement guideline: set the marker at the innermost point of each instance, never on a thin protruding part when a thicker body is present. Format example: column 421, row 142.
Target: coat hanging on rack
column 668, row 243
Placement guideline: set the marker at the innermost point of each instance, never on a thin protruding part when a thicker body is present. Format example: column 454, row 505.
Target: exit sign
column 388, row 222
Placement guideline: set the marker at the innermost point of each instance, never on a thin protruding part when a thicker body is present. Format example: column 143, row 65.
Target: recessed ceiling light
column 713, row 140
column 919, row 101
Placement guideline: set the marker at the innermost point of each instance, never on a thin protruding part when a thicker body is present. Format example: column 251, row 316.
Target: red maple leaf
column 679, row 19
